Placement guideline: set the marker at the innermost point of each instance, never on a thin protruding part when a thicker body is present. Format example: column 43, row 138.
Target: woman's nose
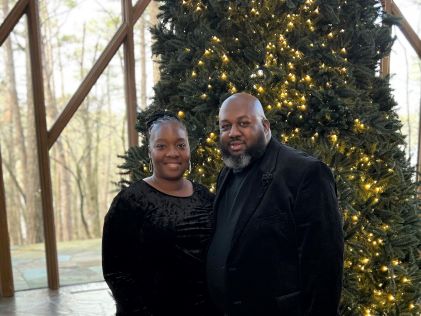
column 173, row 152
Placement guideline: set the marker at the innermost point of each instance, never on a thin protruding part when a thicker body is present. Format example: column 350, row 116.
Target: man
column 277, row 248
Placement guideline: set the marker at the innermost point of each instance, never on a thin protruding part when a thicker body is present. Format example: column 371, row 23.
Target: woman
column 156, row 232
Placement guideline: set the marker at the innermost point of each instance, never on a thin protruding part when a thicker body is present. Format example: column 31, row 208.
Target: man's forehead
column 237, row 110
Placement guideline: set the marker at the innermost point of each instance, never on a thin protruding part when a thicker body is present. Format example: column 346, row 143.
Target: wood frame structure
column 391, row 8
column 6, row 276
column 46, row 138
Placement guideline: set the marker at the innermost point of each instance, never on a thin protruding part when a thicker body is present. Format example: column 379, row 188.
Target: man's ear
column 266, row 125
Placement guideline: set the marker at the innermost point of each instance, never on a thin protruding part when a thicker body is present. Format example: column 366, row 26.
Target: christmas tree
column 314, row 66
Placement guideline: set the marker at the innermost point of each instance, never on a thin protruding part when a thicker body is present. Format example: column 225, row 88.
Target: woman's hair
column 157, row 118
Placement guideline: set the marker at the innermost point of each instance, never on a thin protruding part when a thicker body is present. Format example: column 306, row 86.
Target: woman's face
column 169, row 150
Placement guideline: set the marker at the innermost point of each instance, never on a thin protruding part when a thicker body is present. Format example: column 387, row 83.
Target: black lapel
column 255, row 188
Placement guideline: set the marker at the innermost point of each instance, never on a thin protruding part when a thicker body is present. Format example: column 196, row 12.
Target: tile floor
column 79, row 262
column 91, row 299
column 82, row 290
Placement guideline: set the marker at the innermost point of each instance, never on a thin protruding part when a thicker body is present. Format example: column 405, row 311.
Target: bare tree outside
column 84, row 159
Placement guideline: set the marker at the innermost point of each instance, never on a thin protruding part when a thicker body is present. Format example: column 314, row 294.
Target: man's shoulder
column 294, row 162
column 292, row 155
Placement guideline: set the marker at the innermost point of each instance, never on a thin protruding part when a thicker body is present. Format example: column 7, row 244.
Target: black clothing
column 153, row 251
column 286, row 254
column 221, row 241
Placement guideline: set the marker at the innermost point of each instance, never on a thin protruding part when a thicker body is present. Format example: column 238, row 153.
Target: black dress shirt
column 225, row 225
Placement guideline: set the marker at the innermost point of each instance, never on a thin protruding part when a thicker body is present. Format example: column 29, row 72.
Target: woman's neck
column 178, row 187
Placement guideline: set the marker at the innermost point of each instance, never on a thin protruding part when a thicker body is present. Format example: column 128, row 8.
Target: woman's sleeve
column 121, row 252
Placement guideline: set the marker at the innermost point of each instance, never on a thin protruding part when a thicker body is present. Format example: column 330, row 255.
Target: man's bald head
column 246, row 100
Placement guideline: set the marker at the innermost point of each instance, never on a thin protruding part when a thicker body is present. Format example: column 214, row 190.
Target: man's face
column 242, row 133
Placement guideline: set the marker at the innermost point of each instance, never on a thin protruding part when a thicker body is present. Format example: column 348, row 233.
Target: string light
column 181, row 114
column 216, row 39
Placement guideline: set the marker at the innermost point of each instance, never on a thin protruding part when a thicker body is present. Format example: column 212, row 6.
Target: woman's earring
column 150, row 166
column 189, row 166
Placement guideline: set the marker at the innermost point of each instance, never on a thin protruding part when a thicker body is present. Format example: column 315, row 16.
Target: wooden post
column 6, row 275
column 385, row 62
column 129, row 73
column 6, row 272
column 42, row 144
column 419, row 152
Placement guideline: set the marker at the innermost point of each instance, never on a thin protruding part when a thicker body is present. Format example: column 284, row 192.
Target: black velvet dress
column 153, row 251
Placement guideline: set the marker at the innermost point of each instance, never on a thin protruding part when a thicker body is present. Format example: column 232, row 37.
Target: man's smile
column 236, row 145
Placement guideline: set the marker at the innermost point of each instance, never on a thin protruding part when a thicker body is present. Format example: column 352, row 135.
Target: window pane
column 84, row 174
column 20, row 162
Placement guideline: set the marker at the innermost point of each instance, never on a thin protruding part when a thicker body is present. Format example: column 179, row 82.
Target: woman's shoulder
column 134, row 189
column 128, row 198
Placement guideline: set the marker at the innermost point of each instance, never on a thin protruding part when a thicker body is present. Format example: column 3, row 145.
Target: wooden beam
column 406, row 29
column 12, row 19
column 6, row 275
column 129, row 74
column 95, row 72
column 87, row 84
column 42, row 144
column 419, row 153
column 385, row 62
column 139, row 8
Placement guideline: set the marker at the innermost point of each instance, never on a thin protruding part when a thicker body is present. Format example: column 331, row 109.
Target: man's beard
column 243, row 160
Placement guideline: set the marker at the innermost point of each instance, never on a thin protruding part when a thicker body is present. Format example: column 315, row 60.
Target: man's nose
column 234, row 131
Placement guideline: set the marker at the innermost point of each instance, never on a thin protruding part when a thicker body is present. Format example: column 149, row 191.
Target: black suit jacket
column 286, row 256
